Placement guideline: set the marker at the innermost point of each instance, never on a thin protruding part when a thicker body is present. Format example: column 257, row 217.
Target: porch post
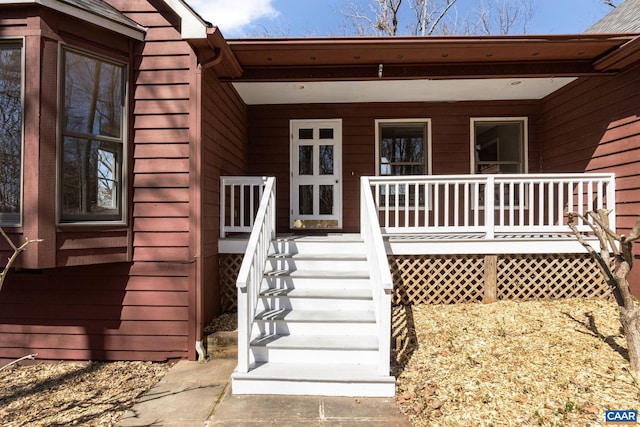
column 490, row 278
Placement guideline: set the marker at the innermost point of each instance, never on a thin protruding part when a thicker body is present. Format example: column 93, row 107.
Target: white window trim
column 124, row 216
column 525, row 139
column 22, row 42
column 420, row 121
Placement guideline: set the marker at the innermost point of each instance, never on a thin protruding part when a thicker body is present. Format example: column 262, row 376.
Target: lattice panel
column 229, row 268
column 436, row 279
column 549, row 276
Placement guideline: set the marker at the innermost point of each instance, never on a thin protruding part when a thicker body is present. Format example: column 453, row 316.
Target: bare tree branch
column 17, row 250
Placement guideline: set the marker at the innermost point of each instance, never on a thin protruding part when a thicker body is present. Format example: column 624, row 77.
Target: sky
column 306, row 18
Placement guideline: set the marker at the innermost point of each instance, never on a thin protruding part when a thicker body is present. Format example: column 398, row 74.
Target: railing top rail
column 228, row 180
column 252, row 245
column 501, row 177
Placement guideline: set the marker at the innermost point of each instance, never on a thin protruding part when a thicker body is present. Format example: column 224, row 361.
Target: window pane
column 91, row 167
column 305, row 133
column 326, row 133
column 305, row 199
column 326, row 160
column 305, row 160
column 326, row 200
column 403, row 149
column 93, row 96
column 403, row 144
column 10, row 132
column 90, row 171
column 499, row 147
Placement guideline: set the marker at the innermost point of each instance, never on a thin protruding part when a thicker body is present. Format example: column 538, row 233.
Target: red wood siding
column 269, row 141
column 144, row 308
column 224, row 152
column 107, row 312
column 593, row 125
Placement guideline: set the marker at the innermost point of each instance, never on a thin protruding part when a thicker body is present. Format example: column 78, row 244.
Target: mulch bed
column 68, row 393
column 547, row 363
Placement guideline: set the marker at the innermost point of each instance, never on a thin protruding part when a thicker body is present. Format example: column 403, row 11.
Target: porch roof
column 308, row 70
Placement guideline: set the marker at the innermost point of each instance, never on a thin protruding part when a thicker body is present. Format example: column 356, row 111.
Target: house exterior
column 126, row 114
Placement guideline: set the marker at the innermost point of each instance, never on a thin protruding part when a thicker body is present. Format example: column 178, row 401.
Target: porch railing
column 252, row 270
column 489, row 204
column 239, row 200
column 379, row 274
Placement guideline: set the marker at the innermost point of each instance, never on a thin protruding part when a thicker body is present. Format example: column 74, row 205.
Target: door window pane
column 326, row 200
column 326, row 160
column 305, row 199
column 326, row 133
column 10, row 132
column 305, row 133
column 305, row 160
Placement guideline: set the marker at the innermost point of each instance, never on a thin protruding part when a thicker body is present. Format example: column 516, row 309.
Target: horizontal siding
column 103, row 312
column 224, row 152
column 593, row 126
column 269, row 141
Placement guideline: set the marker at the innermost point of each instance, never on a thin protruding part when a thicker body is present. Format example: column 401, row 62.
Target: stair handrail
column 379, row 273
column 252, row 269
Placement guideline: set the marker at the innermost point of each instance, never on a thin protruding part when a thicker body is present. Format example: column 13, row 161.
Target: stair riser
column 287, row 355
column 315, row 282
column 313, row 388
column 315, row 328
column 319, row 247
column 270, row 303
column 317, row 265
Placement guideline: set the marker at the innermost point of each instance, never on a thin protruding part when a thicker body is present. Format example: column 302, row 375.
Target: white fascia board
column 192, row 25
column 134, row 33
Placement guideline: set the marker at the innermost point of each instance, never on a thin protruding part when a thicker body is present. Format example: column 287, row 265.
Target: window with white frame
column 403, row 147
column 92, row 125
column 11, row 124
column 499, row 145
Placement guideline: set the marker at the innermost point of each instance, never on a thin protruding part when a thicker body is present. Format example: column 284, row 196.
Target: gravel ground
column 560, row 363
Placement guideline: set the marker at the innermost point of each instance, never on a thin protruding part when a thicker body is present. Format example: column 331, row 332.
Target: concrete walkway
column 199, row 394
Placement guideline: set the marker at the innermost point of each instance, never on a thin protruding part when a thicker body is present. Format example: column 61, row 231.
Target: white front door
column 316, row 173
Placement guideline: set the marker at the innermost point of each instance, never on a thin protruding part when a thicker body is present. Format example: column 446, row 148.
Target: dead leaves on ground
column 547, row 363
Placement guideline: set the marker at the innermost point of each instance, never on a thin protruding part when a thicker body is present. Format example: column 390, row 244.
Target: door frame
column 336, row 124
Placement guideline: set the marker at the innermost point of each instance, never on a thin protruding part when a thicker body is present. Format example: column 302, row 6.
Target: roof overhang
column 396, row 69
column 125, row 26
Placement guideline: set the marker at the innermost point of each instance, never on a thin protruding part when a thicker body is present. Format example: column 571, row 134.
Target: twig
column 27, row 357
column 16, row 251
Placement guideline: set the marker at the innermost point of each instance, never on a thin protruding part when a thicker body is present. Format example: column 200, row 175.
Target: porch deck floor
column 443, row 243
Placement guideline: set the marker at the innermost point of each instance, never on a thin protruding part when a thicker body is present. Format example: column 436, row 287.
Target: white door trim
column 316, row 180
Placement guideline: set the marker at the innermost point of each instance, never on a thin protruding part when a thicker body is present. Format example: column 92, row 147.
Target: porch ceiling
column 418, row 69
column 398, row 90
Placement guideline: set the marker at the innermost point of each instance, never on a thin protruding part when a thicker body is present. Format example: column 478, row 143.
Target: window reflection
column 10, row 132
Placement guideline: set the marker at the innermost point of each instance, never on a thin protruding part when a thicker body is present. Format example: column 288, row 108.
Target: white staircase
column 315, row 330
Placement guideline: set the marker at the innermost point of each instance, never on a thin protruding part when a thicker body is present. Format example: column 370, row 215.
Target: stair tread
column 318, row 292
column 317, row 342
column 320, row 316
column 355, row 274
column 342, row 372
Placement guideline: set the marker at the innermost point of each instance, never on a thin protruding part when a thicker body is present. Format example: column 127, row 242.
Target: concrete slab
column 184, row 397
column 254, row 410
